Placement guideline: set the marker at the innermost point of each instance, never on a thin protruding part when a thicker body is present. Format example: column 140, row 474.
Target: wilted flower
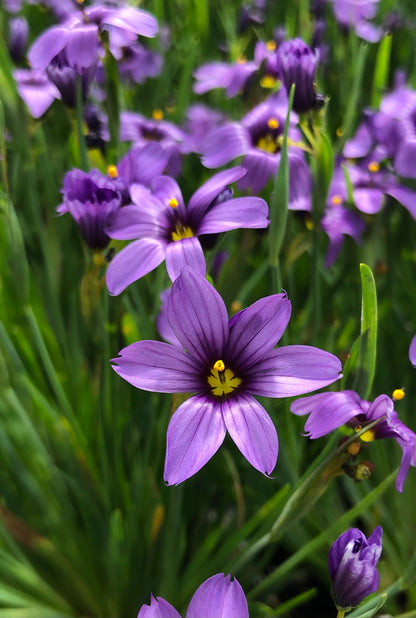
column 92, row 199
column 352, row 565
column 167, row 229
column 328, row 411
column 224, row 362
column 297, row 64
column 217, row 597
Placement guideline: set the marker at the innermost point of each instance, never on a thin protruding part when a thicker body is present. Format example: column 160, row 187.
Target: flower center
column 267, row 143
column 181, row 231
column 112, row 171
column 336, row 200
column 222, row 380
column 373, row 167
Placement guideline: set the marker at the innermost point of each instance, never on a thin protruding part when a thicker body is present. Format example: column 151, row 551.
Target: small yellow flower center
column 271, row 45
column 267, row 143
column 336, row 200
column 241, row 59
column 367, row 436
column 173, row 203
column 268, row 82
column 222, row 380
column 373, row 166
column 398, row 394
column 180, row 232
column 157, row 114
column 112, row 171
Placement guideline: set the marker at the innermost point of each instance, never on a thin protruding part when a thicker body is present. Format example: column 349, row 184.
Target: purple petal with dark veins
column 195, row 433
column 327, row 411
column 224, row 144
column 252, row 430
column 256, row 330
column 198, row 316
column 185, row 252
column 139, row 221
column 240, row 212
column 293, row 370
column 133, row 262
column 158, row 367
column 202, row 199
column 47, row 46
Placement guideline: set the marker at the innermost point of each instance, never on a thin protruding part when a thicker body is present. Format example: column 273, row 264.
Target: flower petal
column 241, row 212
column 202, row 199
column 224, row 144
column 195, row 433
column 133, row 262
column 137, row 221
column 293, row 370
column 197, row 315
column 252, row 430
column 158, row 608
column 187, row 251
column 158, row 367
column 255, row 330
column 218, row 597
column 328, row 411
column 47, row 46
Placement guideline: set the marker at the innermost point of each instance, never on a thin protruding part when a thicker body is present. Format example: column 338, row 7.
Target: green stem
column 82, row 147
column 340, row 614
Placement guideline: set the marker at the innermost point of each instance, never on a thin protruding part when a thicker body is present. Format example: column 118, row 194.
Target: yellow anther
column 339, row 132
column 268, row 144
column 219, row 365
column 236, row 306
column 373, row 166
column 271, row 45
column 157, row 114
column 336, row 200
column 368, row 436
column 180, row 232
column 241, row 59
column 173, row 203
column 112, row 171
column 272, row 123
column 398, row 394
column 268, row 82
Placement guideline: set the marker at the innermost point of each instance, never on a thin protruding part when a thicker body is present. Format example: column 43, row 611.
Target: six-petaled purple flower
column 224, row 363
column 352, row 563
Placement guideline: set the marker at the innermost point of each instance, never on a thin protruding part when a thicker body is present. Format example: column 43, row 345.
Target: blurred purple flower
column 217, row 597
column 79, row 35
column 356, row 14
column 18, row 37
column 297, row 64
column 224, row 363
column 167, row 229
column 92, row 200
column 36, row 90
column 258, row 138
column 200, row 120
column 352, row 565
column 231, row 77
column 328, row 411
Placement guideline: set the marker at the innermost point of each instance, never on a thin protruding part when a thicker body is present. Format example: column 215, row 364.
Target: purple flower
column 328, row 411
column 297, row 64
column 258, row 138
column 352, row 565
column 224, row 363
column 65, row 78
column 92, row 200
column 356, row 15
column 78, row 36
column 18, row 36
column 36, row 90
column 166, row 229
column 217, row 597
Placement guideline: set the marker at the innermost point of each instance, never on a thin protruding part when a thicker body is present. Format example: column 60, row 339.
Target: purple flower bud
column 352, row 564
column 297, row 64
column 18, row 35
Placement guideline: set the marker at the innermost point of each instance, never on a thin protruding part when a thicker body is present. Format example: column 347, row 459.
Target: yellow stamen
column 219, row 365
column 267, row 143
column 272, row 123
column 373, row 167
column 181, row 232
column 222, row 380
column 368, row 436
column 173, row 203
column 268, row 82
column 236, row 306
column 241, row 59
column 398, row 394
column 336, row 200
column 157, row 114
column 112, row 171
column 271, row 45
